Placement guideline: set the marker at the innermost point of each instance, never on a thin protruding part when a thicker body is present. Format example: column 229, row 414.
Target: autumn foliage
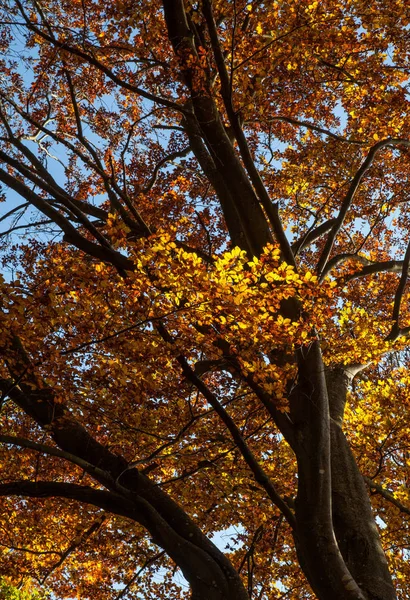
column 205, row 311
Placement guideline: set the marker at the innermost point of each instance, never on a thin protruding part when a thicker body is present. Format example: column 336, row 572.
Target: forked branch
column 348, row 200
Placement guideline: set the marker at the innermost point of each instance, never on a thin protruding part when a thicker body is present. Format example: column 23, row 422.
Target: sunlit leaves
column 99, row 97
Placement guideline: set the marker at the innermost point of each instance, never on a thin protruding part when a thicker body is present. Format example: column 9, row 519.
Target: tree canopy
column 205, row 311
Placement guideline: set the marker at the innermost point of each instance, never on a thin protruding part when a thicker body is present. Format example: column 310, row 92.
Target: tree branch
column 318, row 129
column 27, row 226
column 72, row 236
column 161, row 163
column 388, row 266
column 367, row 163
column 260, row 476
column 109, row 182
column 311, row 235
column 63, row 45
column 386, row 495
column 45, row 449
column 147, row 563
column 95, row 526
column 202, row 563
column 109, row 501
column 42, row 178
column 395, row 330
column 272, row 210
column 242, row 209
column 340, row 259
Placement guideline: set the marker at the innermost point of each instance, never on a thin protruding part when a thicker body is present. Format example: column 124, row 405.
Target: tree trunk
column 316, row 545
column 353, row 521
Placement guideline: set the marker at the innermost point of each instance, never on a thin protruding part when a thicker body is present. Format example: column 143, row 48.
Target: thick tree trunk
column 353, row 521
column 242, row 210
column 317, row 548
column 336, row 536
column 353, row 565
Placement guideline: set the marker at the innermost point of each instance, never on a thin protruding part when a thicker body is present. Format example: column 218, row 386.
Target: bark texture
column 335, row 534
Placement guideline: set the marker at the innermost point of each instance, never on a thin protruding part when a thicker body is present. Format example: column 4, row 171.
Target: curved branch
column 386, row 494
column 141, row 499
column 270, row 43
column 94, row 211
column 119, row 332
column 139, row 224
column 137, row 509
column 135, row 577
column 46, row 182
column 95, row 526
column 354, row 185
column 71, row 234
column 27, row 226
column 45, row 449
column 318, row 129
column 161, row 163
column 110, row 184
column 388, row 266
column 23, row 207
column 96, row 63
column 395, row 330
column 109, row 501
column 340, row 259
column 311, row 236
column 85, row 207
column 260, row 476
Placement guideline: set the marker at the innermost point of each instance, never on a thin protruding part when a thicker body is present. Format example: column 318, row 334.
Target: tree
column 205, row 308
column 8, row 592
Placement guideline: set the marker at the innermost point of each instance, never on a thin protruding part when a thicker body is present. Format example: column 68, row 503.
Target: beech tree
column 9, row 592
column 204, row 304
